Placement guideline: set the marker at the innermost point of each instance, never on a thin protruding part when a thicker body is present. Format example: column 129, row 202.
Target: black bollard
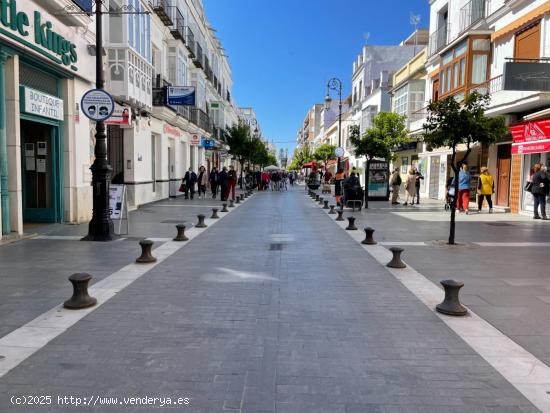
column 340, row 217
column 80, row 298
column 332, row 211
column 396, row 260
column 369, row 240
column 321, row 199
column 238, row 201
column 317, row 197
column 146, row 256
column 451, row 304
column 325, row 206
column 351, row 224
column 224, row 209
column 214, row 213
column 242, row 197
column 231, row 204
column 201, row 223
column 181, row 233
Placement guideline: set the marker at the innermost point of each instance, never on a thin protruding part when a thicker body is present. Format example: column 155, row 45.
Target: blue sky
column 282, row 52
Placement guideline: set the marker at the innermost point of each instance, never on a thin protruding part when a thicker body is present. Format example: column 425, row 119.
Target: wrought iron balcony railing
column 439, row 39
column 472, row 12
column 178, row 30
column 163, row 9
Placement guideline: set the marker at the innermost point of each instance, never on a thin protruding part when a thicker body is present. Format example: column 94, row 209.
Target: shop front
column 532, row 145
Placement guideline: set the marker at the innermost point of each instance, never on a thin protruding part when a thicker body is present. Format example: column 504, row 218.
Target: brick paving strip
column 521, row 368
column 31, row 337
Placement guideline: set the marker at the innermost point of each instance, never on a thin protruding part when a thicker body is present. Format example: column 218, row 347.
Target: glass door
column 40, row 172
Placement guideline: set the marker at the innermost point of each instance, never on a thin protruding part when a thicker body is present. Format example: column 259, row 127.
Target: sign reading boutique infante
column 16, row 25
column 42, row 104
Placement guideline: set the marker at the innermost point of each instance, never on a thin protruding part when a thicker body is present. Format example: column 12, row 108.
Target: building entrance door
column 504, row 166
column 41, row 183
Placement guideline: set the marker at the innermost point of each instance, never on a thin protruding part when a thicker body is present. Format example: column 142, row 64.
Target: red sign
column 531, row 147
column 531, row 131
column 170, row 130
column 195, row 140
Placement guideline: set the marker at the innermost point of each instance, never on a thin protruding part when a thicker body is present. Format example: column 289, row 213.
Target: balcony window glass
column 462, row 71
column 461, row 48
column 400, row 101
column 456, row 74
column 448, row 79
column 130, row 24
column 115, row 22
column 481, row 44
column 447, row 57
column 479, row 68
column 137, row 28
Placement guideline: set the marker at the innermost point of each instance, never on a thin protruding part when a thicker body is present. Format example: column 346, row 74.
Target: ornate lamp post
column 336, row 85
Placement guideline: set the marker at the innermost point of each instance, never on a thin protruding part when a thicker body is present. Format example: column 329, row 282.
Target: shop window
column 527, row 43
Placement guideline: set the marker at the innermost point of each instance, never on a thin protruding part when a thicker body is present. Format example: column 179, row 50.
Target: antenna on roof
column 366, row 36
column 415, row 21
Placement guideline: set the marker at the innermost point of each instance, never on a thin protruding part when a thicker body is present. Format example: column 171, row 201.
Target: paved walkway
column 275, row 309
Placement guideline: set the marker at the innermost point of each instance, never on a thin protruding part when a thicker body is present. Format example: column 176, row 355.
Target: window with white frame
column 139, row 29
column 400, row 100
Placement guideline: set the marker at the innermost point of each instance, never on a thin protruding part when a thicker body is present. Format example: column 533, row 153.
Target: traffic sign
column 97, row 105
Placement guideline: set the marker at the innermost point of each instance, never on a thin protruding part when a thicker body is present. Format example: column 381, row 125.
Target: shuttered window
column 527, row 45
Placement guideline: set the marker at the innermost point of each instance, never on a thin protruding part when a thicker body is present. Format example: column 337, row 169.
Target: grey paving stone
column 318, row 326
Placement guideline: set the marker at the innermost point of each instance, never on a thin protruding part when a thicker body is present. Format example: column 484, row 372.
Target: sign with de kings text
column 42, row 104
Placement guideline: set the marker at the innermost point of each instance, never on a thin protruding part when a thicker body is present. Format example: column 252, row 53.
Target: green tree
column 451, row 123
column 388, row 130
column 324, row 153
column 238, row 138
column 301, row 155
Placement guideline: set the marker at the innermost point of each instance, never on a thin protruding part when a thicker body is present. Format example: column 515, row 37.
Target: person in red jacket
column 232, row 181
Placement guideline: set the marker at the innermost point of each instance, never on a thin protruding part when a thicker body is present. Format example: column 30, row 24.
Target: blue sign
column 181, row 95
column 85, row 5
column 208, row 143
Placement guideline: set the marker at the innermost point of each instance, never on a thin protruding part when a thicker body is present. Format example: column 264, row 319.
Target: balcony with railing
column 163, row 9
column 198, row 60
column 178, row 29
column 129, row 76
column 471, row 13
column 190, row 41
column 439, row 39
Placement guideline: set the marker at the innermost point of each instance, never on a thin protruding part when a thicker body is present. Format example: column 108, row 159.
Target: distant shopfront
column 531, row 142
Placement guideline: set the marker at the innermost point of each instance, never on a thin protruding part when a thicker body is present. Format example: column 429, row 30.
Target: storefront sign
column 97, row 105
column 15, row 25
column 531, row 147
column 208, row 143
column 170, row 130
column 181, row 95
column 195, row 140
column 121, row 116
column 531, row 131
column 42, row 104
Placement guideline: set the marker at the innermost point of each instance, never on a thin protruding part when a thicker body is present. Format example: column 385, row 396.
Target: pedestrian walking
column 213, row 179
column 464, row 189
column 223, row 182
column 232, row 181
column 338, row 185
column 539, row 189
column 202, row 181
column 410, row 187
column 291, row 178
column 485, row 189
column 395, row 183
column 189, row 180
column 417, row 183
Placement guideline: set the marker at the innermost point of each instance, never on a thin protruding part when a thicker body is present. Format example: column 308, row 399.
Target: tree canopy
column 388, row 131
column 324, row 153
column 302, row 154
column 451, row 123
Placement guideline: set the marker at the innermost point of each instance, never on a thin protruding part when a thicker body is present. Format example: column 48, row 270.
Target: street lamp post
column 101, row 226
column 336, row 85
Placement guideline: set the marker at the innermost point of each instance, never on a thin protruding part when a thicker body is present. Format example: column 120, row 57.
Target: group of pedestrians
column 222, row 182
column 538, row 185
column 412, row 186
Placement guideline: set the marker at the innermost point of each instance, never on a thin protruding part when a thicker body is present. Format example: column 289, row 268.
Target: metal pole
column 4, row 194
column 101, row 225
column 340, row 123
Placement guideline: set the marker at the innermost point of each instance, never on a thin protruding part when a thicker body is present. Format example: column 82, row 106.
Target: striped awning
column 525, row 20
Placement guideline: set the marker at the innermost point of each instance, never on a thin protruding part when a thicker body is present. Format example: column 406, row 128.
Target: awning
column 310, row 165
column 531, row 147
column 530, row 17
column 530, row 131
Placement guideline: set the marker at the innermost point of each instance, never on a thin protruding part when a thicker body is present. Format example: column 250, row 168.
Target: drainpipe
column 4, row 194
